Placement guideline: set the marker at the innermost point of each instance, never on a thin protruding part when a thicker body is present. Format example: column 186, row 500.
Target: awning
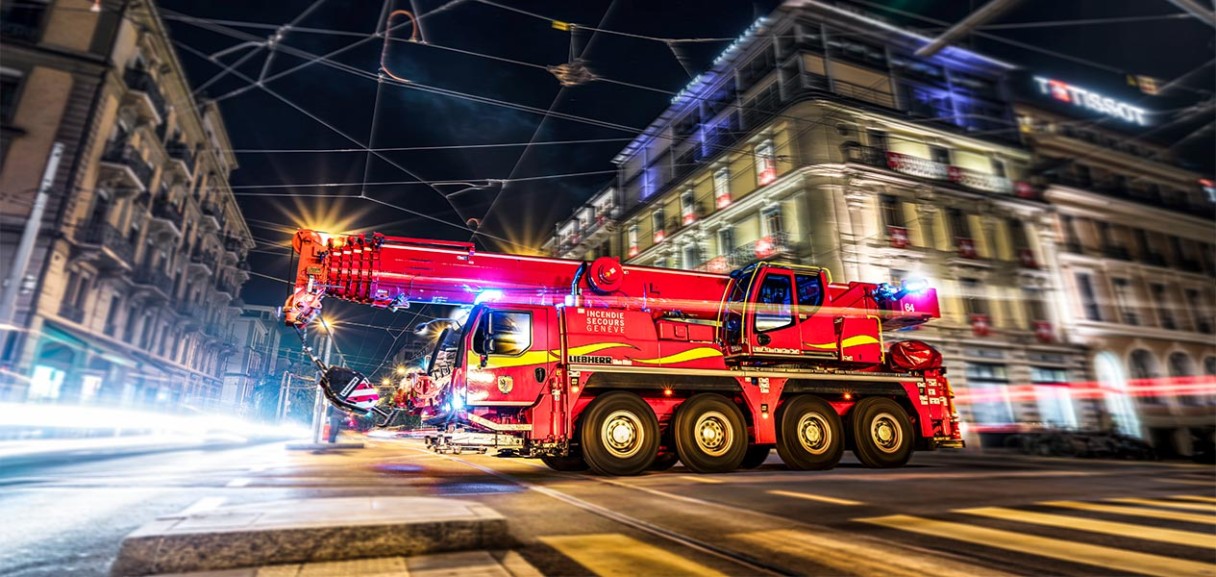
column 84, row 342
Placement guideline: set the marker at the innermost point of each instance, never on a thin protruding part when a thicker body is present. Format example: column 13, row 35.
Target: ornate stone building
column 137, row 268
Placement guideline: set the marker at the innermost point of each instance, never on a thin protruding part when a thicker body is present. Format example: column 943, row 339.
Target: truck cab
column 497, row 361
column 777, row 312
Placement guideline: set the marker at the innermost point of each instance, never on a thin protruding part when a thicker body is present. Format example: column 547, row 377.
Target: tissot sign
column 1090, row 100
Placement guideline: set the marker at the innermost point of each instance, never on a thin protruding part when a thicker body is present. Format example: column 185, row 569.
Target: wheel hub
column 622, row 433
column 814, row 433
column 885, row 432
column 713, row 433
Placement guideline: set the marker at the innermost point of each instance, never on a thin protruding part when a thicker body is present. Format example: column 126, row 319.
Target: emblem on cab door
column 505, row 384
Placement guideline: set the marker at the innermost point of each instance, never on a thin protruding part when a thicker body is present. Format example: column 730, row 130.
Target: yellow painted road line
column 1206, row 507
column 1196, row 498
column 1205, row 540
column 708, row 480
column 1134, row 511
column 1113, row 560
column 613, row 554
column 848, row 557
column 820, row 498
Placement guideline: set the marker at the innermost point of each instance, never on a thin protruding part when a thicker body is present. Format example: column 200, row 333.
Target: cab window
column 510, row 331
column 810, row 290
column 773, row 301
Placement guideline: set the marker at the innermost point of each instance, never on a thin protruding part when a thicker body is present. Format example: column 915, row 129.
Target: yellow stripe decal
column 536, row 357
column 828, row 346
column 683, row 357
column 859, row 340
column 594, row 348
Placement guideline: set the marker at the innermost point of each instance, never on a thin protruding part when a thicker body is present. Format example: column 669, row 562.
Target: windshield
column 447, row 351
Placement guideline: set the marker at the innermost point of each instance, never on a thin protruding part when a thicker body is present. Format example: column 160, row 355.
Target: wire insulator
column 388, row 37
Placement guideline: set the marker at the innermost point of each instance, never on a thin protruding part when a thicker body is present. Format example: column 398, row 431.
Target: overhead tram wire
column 485, row 100
column 540, row 125
column 425, row 148
column 635, row 129
column 1001, row 39
column 595, row 122
column 340, row 132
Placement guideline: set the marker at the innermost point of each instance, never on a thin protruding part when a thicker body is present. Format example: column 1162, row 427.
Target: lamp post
column 318, row 406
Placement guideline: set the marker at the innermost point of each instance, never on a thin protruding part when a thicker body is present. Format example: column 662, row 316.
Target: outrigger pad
column 349, row 390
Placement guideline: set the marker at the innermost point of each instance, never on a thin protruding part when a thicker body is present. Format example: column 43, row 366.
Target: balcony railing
column 107, row 237
column 180, row 152
column 140, row 81
column 165, row 210
column 223, row 285
column 123, row 154
column 764, row 248
column 932, row 170
column 154, row 277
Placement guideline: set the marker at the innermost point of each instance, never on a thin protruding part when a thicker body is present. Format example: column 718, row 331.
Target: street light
column 400, row 369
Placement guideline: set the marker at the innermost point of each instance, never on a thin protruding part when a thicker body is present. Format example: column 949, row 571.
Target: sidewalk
column 464, row 564
column 300, row 532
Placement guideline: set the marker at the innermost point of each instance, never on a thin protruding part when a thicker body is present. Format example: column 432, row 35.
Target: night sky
column 268, row 131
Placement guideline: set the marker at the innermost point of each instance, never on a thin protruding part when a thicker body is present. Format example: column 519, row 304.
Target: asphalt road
column 944, row 514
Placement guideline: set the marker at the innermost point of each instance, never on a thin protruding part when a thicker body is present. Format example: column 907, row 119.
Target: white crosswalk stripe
column 1111, row 559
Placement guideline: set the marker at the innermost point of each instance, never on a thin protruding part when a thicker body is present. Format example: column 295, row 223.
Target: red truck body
column 623, row 368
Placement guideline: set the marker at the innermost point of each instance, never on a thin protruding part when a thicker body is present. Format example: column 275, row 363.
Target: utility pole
column 318, row 405
column 8, row 299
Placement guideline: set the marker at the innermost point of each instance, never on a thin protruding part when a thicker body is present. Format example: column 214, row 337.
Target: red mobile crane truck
column 624, row 368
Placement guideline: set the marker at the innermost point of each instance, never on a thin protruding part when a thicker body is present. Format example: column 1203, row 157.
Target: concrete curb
column 466, row 563
column 309, row 531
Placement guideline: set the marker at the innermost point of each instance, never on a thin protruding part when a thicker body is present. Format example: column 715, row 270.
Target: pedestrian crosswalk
column 1168, row 536
column 1121, row 518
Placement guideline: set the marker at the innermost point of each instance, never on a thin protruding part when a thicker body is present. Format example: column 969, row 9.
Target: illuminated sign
column 1091, row 100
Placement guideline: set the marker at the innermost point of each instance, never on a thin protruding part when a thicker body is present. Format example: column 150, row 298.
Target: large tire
column 756, row 455
column 620, row 434
column 809, row 435
column 882, row 434
column 570, row 463
column 664, row 461
column 710, row 434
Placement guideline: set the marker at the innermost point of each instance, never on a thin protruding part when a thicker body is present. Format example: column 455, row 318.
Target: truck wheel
column 810, row 436
column 756, row 455
column 882, row 433
column 620, row 434
column 710, row 434
column 570, row 463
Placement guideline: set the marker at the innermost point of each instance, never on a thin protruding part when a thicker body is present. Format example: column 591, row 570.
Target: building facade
column 135, row 276
column 819, row 138
column 1134, row 240
column 257, row 336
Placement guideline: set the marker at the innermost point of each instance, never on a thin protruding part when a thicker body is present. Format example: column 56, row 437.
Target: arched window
column 1113, row 381
column 1181, row 368
column 1143, row 369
